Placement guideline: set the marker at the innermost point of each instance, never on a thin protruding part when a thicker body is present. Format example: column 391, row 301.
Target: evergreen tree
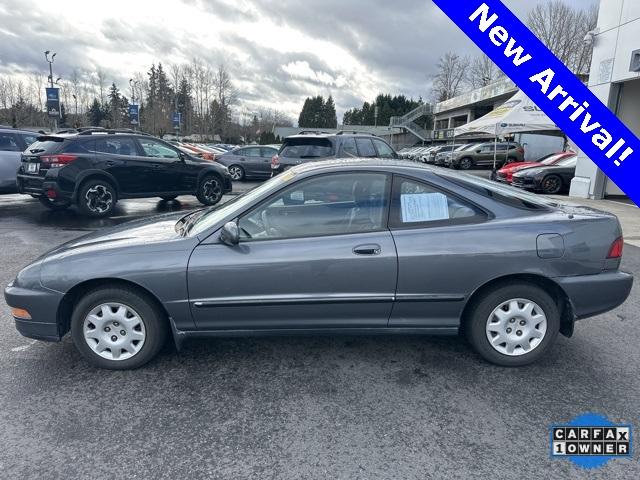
column 330, row 119
column 96, row 113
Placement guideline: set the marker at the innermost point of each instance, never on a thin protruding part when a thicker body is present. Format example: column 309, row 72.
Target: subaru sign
column 176, row 119
column 53, row 102
column 134, row 116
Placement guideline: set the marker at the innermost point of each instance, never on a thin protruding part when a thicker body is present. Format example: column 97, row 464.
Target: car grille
column 522, row 181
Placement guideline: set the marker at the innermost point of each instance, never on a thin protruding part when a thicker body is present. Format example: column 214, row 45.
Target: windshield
column 45, row 145
column 567, row 162
column 307, row 148
column 551, row 159
column 214, row 215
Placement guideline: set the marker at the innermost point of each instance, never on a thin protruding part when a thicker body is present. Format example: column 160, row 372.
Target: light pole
column 75, row 99
column 132, row 84
column 50, row 61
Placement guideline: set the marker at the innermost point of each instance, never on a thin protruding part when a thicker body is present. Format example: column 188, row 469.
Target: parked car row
column 465, row 156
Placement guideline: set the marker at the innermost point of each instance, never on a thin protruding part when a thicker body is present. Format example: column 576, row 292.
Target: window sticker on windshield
column 424, row 207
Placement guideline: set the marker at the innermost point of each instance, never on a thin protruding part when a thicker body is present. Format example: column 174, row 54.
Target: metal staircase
column 407, row 122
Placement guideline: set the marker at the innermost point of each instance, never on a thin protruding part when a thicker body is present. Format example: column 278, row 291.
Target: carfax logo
column 590, row 441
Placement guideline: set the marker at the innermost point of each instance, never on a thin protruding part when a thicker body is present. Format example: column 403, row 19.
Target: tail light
column 616, row 248
column 59, row 160
column 275, row 162
column 520, row 150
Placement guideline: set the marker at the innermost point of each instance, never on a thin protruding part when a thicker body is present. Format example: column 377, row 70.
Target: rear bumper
column 42, row 304
column 39, row 186
column 592, row 295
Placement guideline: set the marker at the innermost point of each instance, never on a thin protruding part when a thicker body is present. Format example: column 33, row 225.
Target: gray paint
column 422, row 278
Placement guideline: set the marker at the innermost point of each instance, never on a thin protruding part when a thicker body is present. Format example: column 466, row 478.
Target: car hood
column 151, row 230
column 542, row 170
column 514, row 165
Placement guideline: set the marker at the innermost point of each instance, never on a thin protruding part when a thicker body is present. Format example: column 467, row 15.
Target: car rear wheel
column 513, row 325
column 117, row 329
column 466, row 163
column 54, row 204
column 551, row 184
column 97, row 198
column 236, row 172
column 210, row 190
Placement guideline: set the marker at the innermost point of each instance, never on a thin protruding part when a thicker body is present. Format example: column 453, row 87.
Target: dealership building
column 614, row 79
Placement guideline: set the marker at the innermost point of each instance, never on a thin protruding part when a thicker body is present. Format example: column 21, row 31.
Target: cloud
column 278, row 51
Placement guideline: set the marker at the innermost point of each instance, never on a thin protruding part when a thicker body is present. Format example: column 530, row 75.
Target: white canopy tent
column 518, row 115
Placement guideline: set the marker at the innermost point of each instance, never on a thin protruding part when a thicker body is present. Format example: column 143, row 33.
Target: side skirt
column 179, row 336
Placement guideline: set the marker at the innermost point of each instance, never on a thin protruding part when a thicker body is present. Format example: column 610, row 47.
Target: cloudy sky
column 278, row 51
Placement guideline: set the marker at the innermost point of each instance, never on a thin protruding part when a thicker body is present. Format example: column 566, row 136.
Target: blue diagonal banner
column 552, row 86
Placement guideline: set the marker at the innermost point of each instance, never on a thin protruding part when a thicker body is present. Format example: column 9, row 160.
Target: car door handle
column 156, row 165
column 110, row 163
column 369, row 249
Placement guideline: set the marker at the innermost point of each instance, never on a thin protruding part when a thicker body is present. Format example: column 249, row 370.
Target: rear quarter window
column 45, row 146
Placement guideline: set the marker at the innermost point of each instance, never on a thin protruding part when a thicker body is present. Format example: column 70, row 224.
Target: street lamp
column 75, row 99
column 50, row 60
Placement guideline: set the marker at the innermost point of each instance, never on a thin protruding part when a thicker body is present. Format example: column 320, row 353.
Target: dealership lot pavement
column 298, row 407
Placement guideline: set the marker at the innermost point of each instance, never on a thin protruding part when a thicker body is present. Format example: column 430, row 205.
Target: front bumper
column 42, row 304
column 528, row 183
column 592, row 295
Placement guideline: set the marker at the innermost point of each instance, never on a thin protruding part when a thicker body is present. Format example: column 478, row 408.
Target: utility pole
column 75, row 99
column 50, row 60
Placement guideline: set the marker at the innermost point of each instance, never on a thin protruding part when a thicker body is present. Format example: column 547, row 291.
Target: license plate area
column 32, row 167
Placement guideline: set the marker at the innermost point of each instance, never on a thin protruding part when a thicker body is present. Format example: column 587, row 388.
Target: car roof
column 17, row 130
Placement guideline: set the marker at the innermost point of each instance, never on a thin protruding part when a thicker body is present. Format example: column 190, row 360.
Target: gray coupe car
column 345, row 247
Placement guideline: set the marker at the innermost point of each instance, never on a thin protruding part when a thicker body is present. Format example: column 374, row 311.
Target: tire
column 55, row 205
column 483, row 320
column 551, row 184
column 465, row 163
column 144, row 333
column 97, row 198
column 237, row 173
column 168, row 198
column 210, row 190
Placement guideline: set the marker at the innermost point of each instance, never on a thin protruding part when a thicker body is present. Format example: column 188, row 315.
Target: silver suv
column 309, row 146
column 12, row 143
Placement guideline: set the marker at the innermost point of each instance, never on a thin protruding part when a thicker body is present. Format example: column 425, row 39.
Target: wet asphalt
column 298, row 407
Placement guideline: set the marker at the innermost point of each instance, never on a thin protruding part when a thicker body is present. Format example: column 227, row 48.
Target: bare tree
column 562, row 29
column 482, row 72
column 450, row 79
column 101, row 78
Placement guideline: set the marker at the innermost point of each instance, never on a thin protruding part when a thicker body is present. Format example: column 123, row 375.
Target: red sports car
column 505, row 174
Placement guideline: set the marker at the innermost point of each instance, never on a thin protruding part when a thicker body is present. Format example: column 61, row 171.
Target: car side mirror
column 230, row 234
column 182, row 157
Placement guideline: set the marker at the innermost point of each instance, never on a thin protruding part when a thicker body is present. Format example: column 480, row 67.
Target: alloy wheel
column 465, row 164
column 516, row 327
column 114, row 331
column 212, row 190
column 551, row 185
column 98, row 199
column 236, row 172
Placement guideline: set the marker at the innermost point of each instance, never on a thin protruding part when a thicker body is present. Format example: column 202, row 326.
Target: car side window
column 268, row 152
column 384, row 150
column 8, row 143
column 251, row 152
column 28, row 139
column 349, row 147
column 333, row 204
column 115, row 146
column 153, row 148
column 417, row 204
column 365, row 148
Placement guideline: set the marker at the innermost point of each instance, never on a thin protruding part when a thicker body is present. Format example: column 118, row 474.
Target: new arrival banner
column 552, row 86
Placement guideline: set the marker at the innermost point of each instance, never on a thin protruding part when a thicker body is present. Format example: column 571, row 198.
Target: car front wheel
column 466, row 164
column 210, row 190
column 551, row 185
column 97, row 198
column 236, row 172
column 117, row 329
column 513, row 325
